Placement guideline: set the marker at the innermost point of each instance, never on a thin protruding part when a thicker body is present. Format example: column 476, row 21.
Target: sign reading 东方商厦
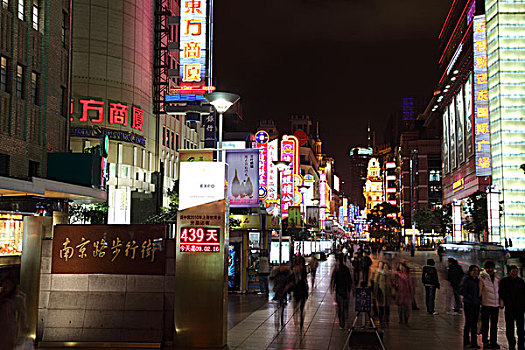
column 109, row 249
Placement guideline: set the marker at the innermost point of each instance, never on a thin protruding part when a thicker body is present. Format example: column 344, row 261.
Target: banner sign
column 452, row 130
column 261, row 139
column 460, row 126
column 481, row 99
column 294, row 216
column 446, row 142
column 196, row 155
column 467, row 88
column 193, row 43
column 312, row 216
column 243, row 177
column 200, row 183
column 290, row 153
column 209, row 125
column 272, row 170
column 109, row 249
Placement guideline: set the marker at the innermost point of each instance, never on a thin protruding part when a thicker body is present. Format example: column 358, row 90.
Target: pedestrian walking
column 356, row 266
column 430, row 280
column 512, row 295
column 404, row 290
column 300, row 293
column 455, row 276
column 440, row 252
column 489, row 290
column 264, row 272
column 12, row 315
column 367, row 262
column 383, row 292
column 313, row 268
column 469, row 289
column 341, row 285
column 282, row 282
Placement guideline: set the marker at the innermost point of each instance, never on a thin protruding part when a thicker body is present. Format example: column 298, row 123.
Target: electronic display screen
column 200, row 239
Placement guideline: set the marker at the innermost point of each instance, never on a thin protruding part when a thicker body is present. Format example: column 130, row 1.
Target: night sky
column 340, row 61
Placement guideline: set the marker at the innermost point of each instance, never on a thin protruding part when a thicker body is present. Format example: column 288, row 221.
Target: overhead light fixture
column 456, row 71
column 453, row 78
column 445, row 90
column 446, row 87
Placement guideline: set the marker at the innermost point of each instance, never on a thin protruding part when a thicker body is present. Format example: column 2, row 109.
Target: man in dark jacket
column 430, row 280
column 469, row 289
column 512, row 297
column 341, row 284
column 454, row 276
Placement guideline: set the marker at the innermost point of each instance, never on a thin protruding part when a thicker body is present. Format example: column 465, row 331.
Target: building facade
column 357, row 174
column 373, row 189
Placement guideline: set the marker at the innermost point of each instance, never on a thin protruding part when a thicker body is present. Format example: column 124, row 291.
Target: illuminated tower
column 373, row 190
column 505, row 22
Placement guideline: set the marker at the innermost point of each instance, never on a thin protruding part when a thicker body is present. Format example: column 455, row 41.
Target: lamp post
column 222, row 101
column 280, row 165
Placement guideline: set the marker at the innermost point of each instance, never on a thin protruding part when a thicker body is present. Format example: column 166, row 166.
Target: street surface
column 253, row 320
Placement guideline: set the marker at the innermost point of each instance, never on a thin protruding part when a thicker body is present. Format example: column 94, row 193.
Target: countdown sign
column 200, row 239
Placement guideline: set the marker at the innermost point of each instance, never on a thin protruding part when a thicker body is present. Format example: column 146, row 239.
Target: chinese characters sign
column 106, row 113
column 243, row 177
column 272, row 169
column 200, row 239
column 109, row 249
column 193, row 24
column 481, row 99
column 261, row 139
column 290, row 153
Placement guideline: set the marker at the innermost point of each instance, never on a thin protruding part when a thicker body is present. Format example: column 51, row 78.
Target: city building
column 373, row 189
column 357, row 174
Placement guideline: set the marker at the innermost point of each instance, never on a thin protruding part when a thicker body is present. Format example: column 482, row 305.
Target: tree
column 167, row 215
column 425, row 220
column 475, row 208
column 382, row 221
column 444, row 218
column 95, row 214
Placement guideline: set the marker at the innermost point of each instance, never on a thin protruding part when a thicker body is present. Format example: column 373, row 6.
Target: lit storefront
column 11, row 228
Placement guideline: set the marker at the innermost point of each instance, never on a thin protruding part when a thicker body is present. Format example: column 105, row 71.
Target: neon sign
column 458, row 185
column 111, row 113
column 272, row 171
column 200, row 239
column 261, row 139
column 193, row 23
column 290, row 153
column 481, row 99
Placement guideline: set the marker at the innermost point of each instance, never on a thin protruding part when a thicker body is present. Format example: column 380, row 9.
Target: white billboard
column 201, row 183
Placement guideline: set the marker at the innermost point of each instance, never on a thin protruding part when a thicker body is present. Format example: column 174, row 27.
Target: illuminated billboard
column 337, row 183
column 481, row 99
column 290, row 153
column 243, row 177
column 446, row 147
column 452, row 132
column 271, row 180
column 460, row 131
column 261, row 139
column 193, row 41
column 467, row 98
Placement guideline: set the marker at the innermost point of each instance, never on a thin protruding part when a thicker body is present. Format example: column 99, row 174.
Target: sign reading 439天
column 193, row 23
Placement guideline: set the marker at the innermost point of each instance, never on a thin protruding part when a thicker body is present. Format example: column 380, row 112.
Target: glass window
column 64, row 27
column 63, row 105
column 434, row 175
column 21, row 10
column 164, row 136
column 5, row 4
column 19, row 81
column 4, row 64
column 4, row 164
column 172, row 140
column 36, row 15
column 33, row 168
column 35, row 80
column 11, row 228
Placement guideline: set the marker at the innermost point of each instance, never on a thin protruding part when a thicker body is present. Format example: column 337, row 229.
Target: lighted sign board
column 200, row 183
column 446, row 139
column 467, row 98
column 193, row 42
column 271, row 180
column 243, row 177
column 261, row 139
column 337, row 183
column 481, row 99
column 458, row 185
column 452, row 132
column 180, row 98
column 112, row 114
column 290, row 153
column 232, row 145
column 285, row 252
column 409, row 110
column 200, row 239
column 97, row 132
column 460, row 131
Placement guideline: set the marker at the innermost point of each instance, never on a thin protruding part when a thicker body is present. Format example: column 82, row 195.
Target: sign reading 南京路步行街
column 109, row 249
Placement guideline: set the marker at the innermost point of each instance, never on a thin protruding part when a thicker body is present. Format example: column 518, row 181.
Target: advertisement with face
column 243, row 177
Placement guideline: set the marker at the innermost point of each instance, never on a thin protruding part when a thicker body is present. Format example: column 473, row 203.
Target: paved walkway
column 257, row 330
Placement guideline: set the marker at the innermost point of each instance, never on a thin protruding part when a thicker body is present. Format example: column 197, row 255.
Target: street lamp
column 280, row 165
column 222, row 101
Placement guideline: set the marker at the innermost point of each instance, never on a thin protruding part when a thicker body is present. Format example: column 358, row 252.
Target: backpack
column 427, row 276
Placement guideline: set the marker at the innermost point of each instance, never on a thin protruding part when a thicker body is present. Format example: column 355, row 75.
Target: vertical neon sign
column 322, row 198
column 193, row 24
column 272, row 170
column 261, row 139
column 481, row 99
column 290, row 153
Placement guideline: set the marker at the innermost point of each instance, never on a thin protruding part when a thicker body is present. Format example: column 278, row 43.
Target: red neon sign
column 200, row 240
column 94, row 111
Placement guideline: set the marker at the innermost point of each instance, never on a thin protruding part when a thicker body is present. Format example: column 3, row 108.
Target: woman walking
column 383, row 291
column 404, row 292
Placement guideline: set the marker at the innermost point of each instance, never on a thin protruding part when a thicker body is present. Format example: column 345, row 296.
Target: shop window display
column 10, row 234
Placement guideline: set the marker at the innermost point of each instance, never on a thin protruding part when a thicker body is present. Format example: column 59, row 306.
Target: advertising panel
column 468, row 116
column 109, row 249
column 243, row 177
column 209, row 124
column 312, row 216
column 294, row 216
column 261, row 139
column 452, row 131
column 481, row 99
column 446, row 142
column 460, row 131
column 200, row 183
column 192, row 34
column 195, row 155
column 285, row 252
column 337, row 183
column 290, row 153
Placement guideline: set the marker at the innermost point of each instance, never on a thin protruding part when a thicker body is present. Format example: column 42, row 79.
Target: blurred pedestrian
column 469, row 289
column 404, row 288
column 264, row 272
column 367, row 262
column 489, row 290
column 356, row 266
column 282, row 283
column 455, row 276
column 429, row 277
column 440, row 252
column 341, row 284
column 383, row 291
column 300, row 293
column 12, row 314
column 313, row 268
column 512, row 295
